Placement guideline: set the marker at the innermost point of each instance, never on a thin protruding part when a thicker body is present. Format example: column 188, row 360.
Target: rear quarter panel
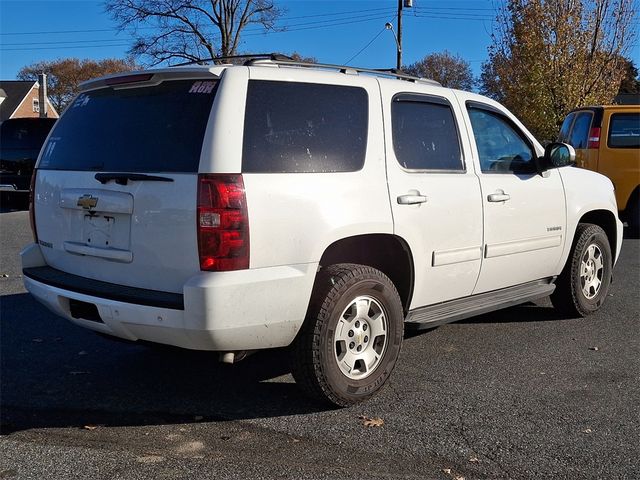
column 294, row 217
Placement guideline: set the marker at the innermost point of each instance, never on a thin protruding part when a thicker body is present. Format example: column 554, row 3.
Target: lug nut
column 366, row 339
column 359, row 348
column 364, row 327
column 351, row 345
column 357, row 323
column 350, row 333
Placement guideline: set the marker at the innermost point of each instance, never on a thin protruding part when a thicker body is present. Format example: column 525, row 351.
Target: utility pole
column 399, row 51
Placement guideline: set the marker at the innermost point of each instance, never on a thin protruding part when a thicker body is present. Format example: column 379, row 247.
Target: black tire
column 569, row 296
column 315, row 352
column 632, row 215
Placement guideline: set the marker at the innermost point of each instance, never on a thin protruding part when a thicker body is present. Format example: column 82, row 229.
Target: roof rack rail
column 284, row 60
column 268, row 56
column 391, row 72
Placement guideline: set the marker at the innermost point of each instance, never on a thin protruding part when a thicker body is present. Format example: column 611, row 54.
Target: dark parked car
column 20, row 143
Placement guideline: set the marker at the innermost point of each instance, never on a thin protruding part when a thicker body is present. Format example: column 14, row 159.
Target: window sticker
column 81, row 101
column 202, row 87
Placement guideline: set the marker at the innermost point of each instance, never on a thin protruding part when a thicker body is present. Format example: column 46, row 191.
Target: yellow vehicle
column 607, row 140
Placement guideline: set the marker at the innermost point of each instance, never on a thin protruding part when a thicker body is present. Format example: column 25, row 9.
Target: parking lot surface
column 520, row 393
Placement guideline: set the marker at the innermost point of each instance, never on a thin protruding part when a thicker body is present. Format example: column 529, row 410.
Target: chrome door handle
column 499, row 196
column 412, row 198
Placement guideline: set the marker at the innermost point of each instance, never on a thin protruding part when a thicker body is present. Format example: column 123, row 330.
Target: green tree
column 450, row 70
column 550, row 56
column 65, row 74
column 190, row 30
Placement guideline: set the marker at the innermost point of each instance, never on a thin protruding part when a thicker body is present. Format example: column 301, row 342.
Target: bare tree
column 550, row 56
column 450, row 70
column 190, row 29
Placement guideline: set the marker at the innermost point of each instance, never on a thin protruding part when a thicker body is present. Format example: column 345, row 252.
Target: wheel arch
column 606, row 220
column 385, row 252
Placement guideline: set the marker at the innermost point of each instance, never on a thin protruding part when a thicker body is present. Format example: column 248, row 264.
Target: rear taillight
column 32, row 205
column 594, row 138
column 222, row 222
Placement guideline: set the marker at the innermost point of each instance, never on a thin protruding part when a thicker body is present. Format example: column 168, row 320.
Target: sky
column 332, row 31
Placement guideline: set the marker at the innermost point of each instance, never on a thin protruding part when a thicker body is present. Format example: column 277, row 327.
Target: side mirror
column 558, row 155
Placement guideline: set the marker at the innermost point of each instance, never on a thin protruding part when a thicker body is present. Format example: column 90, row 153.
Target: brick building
column 20, row 99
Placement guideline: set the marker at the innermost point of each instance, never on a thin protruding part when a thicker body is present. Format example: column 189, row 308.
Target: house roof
column 15, row 91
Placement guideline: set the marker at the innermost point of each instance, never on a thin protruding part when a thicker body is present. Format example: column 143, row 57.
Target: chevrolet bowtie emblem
column 87, row 201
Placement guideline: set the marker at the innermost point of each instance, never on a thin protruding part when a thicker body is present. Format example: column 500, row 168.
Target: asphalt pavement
column 520, row 393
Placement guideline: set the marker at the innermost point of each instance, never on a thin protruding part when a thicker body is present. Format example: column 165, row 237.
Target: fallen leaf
column 78, row 372
column 595, row 349
column 82, row 352
column 474, row 460
column 447, row 471
column 197, row 418
column 458, row 477
column 37, row 340
column 371, row 422
column 90, row 427
column 586, row 430
column 4, row 275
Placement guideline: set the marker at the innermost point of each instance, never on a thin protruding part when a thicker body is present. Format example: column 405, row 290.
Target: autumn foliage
column 548, row 57
column 450, row 70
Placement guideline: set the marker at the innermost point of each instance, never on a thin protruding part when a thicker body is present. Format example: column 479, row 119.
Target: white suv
column 237, row 208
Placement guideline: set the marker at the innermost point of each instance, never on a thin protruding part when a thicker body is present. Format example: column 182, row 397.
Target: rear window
column 148, row 129
column 24, row 133
column 580, row 133
column 624, row 130
column 304, row 127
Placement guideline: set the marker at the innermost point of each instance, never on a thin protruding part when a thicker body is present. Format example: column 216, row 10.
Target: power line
column 334, row 14
column 254, row 32
column 67, row 47
column 320, row 24
column 366, row 46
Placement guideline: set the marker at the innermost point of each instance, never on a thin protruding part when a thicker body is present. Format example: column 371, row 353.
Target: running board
column 454, row 310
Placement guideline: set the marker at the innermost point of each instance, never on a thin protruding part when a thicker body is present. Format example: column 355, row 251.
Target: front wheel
column 352, row 335
column 582, row 287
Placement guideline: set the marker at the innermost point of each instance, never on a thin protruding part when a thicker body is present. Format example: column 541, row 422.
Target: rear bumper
column 242, row 310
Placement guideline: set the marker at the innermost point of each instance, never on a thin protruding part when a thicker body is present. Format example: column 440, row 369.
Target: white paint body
column 460, row 243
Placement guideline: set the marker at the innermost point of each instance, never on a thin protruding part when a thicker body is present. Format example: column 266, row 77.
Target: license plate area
column 98, row 231
column 101, row 230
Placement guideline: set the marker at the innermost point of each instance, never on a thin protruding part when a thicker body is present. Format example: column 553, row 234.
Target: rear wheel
column 352, row 335
column 582, row 287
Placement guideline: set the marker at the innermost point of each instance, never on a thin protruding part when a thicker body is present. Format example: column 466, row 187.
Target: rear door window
column 580, row 133
column 624, row 130
column 425, row 135
column 147, row 129
column 304, row 127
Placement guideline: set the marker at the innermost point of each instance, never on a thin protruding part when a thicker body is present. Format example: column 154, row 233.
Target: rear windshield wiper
column 123, row 178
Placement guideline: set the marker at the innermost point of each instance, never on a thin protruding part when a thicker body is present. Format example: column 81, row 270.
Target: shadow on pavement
column 55, row 374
